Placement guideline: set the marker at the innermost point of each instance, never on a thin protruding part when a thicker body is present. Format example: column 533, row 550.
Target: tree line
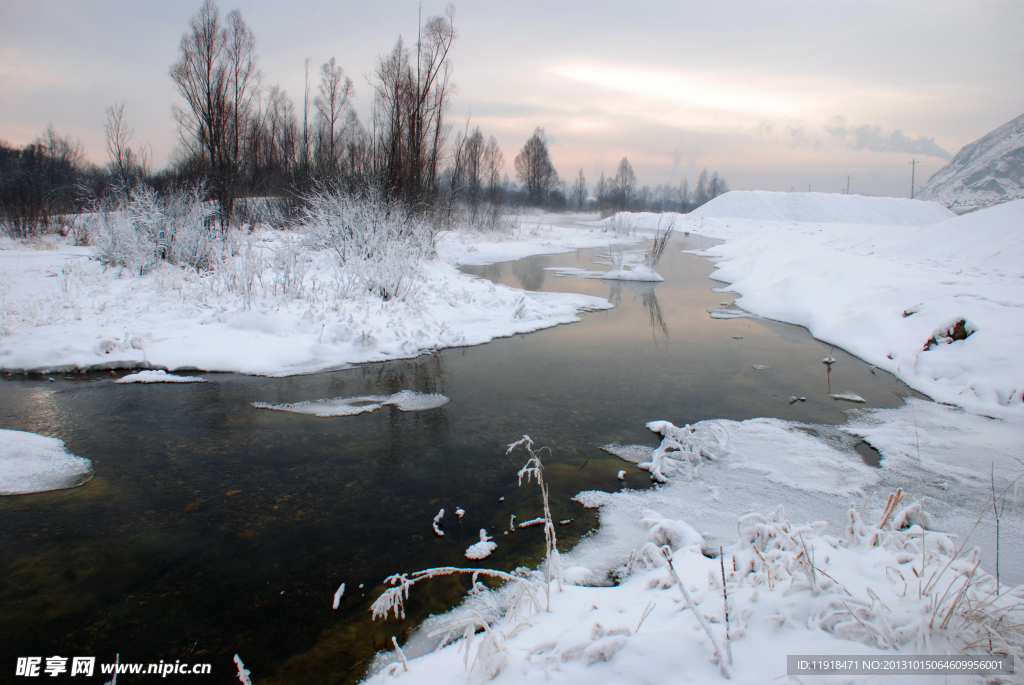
column 619, row 192
column 240, row 137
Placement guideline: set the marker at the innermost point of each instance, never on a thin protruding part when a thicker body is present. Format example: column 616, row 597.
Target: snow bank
column 782, row 588
column 883, row 292
column 536, row 234
column 762, row 205
column 34, row 463
column 61, row 311
column 158, row 377
column 838, row 571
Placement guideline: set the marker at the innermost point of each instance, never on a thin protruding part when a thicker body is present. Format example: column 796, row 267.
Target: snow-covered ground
column 879, row 277
column 61, row 311
column 881, row 289
column 885, row 279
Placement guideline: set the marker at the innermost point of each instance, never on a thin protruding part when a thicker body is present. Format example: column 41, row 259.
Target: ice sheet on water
column 158, row 377
column 34, row 463
column 640, row 272
column 634, row 454
column 848, row 396
column 729, row 313
column 570, row 271
column 404, row 400
column 592, row 499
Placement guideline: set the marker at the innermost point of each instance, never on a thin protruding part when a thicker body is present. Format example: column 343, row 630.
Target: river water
column 214, row 528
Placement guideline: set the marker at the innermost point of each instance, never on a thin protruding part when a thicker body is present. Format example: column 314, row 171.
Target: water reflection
column 649, row 299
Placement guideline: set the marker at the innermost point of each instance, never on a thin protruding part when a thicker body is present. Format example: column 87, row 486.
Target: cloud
column 875, row 138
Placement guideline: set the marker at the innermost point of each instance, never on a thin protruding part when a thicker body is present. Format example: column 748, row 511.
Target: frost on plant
column 377, row 244
column 142, row 229
column 688, row 445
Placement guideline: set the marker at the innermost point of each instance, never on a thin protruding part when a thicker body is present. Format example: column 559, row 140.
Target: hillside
column 984, row 173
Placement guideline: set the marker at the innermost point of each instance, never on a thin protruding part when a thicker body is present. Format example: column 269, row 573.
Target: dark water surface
column 214, row 528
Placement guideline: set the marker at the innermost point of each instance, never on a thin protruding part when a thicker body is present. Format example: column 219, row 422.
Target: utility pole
column 847, row 185
column 913, row 168
column 808, row 187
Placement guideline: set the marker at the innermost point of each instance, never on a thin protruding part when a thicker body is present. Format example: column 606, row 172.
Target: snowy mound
column 34, row 463
column 984, row 173
column 763, row 205
column 158, row 377
column 640, row 272
column 405, row 400
column 987, row 241
column 482, row 549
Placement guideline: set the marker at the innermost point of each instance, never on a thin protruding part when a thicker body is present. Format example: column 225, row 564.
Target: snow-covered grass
column 685, row 609
column 323, row 295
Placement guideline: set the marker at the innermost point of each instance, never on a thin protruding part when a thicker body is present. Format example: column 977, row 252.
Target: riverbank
column 889, row 560
column 62, row 311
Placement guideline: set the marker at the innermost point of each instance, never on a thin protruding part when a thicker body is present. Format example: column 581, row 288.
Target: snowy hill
column 829, row 208
column 986, row 172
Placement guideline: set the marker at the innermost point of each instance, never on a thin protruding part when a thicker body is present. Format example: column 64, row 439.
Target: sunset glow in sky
column 772, row 95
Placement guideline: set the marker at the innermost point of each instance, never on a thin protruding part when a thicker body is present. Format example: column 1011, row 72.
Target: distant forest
column 241, row 138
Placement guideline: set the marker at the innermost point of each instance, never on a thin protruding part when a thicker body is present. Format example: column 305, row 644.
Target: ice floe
column 404, row 400
column 158, row 376
column 34, row 463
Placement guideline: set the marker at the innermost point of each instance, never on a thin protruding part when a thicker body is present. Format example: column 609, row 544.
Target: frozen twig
column 662, row 556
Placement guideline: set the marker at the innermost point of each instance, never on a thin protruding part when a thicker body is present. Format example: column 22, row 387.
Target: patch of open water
column 214, row 528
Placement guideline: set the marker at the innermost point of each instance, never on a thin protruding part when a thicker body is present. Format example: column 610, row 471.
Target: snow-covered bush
column 378, row 244
column 143, row 229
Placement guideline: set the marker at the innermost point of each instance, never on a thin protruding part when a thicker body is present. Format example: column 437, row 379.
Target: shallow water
column 214, row 528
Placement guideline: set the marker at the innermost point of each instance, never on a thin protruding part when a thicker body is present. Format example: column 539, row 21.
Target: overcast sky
column 774, row 95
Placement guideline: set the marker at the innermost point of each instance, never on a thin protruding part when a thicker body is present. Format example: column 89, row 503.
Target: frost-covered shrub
column 378, row 244
column 144, row 228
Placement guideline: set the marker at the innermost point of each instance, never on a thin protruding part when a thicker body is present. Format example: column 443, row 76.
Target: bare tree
column 491, row 165
column 700, row 192
column 305, row 120
column 717, row 186
column 125, row 163
column 684, row 196
column 602, row 191
column 410, row 105
column 534, row 168
column 473, row 158
column 625, row 183
column 201, row 79
column 217, row 76
column 579, row 190
column 335, row 91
